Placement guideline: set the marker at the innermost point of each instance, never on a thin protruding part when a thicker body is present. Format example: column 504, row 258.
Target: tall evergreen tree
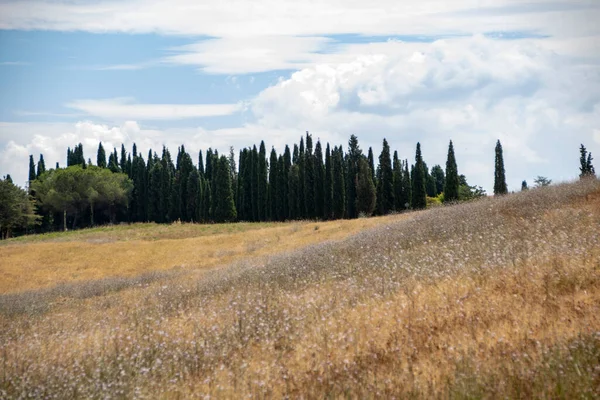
column 452, row 184
column 353, row 159
column 499, row 174
column 41, row 166
column 419, row 195
column 301, row 177
column 365, row 189
column 398, row 187
column 371, row 159
column 280, row 194
column 407, row 187
column 328, row 185
column 294, row 188
column 101, row 156
column 273, row 185
column 123, row 158
column 385, row 181
column 31, row 170
column 262, row 182
column 287, row 164
column 193, row 196
column 319, row 181
column 155, row 193
column 200, row 164
column 224, row 204
column 140, row 190
column 339, row 183
column 586, row 168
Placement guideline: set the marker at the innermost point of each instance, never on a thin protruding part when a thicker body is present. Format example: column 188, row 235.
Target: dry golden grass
column 495, row 299
column 46, row 260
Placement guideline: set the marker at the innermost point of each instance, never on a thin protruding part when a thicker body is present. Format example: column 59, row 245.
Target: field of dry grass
column 38, row 261
column 498, row 298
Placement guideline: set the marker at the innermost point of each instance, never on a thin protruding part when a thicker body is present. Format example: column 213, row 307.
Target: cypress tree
column 294, row 188
column 328, row 185
column 365, row 189
column 499, row 174
column 193, row 194
column 206, row 200
column 247, row 185
column 155, row 193
column 31, row 170
column 398, row 187
column 407, row 187
column 262, row 182
column 41, row 167
column 239, row 200
column 339, row 184
column 439, row 179
column 419, row 196
column 273, row 185
column 113, row 162
column 371, row 159
column 101, row 156
column 524, row 186
column 452, row 184
column 140, row 190
column 385, row 187
column 429, row 181
column 285, row 198
column 129, row 167
column 224, row 205
column 280, row 193
column 134, row 152
column 255, row 174
column 353, row 159
column 234, row 174
column 200, row 164
column 586, row 168
column 301, row 177
column 123, row 158
column 319, row 186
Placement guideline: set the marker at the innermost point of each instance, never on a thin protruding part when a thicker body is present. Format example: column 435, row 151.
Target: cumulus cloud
column 125, row 109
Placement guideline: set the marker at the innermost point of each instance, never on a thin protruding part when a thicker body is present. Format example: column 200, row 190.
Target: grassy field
column 498, row 298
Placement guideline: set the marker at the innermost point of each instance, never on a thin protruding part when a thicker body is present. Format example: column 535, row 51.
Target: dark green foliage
column 339, row 183
column 224, row 205
column 254, row 180
column 273, row 186
column 452, row 184
column 467, row 192
column 301, row 177
column 542, row 181
column 500, row 187
column 407, row 186
column 41, row 166
column 524, row 186
column 429, row 182
column 31, row 170
column 586, row 167
column 262, row 182
column 193, row 196
column 309, row 179
column 294, row 188
column 155, row 211
column 397, row 172
column 123, row 159
column 365, row 189
column 139, row 204
column 328, row 185
column 284, row 184
column 113, row 162
column 385, row 181
column 419, row 195
column 371, row 159
column 16, row 209
column 200, row 164
column 353, row 159
column 319, row 185
column 439, row 179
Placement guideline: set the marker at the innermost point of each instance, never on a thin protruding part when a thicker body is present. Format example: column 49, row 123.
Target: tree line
column 303, row 182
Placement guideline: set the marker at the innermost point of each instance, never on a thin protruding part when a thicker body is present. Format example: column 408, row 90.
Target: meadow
column 496, row 298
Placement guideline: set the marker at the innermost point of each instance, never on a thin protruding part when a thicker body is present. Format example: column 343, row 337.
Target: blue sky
column 220, row 74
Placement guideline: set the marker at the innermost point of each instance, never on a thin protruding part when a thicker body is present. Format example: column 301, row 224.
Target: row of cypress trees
column 304, row 182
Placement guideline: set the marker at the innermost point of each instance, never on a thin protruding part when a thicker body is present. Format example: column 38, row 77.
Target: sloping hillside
column 496, row 298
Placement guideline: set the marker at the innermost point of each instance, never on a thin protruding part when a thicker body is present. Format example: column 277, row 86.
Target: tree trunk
column 91, row 215
column 65, row 220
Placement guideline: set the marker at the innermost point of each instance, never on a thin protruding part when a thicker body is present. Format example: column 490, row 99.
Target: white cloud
column 121, row 109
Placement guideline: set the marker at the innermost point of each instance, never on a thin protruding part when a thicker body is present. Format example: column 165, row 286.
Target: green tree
column 500, row 187
column 41, row 166
column 262, row 182
column 339, row 183
column 467, row 192
column 281, row 193
column 309, row 179
column 542, row 181
column 353, row 159
column 123, row 158
column 319, row 185
column 294, row 189
column 524, row 186
column 398, row 187
column 301, row 176
column 16, row 209
column 452, row 183
column 419, row 196
column 385, row 181
column 273, row 185
column 439, row 179
column 224, row 205
column 365, row 189
column 586, row 168
column 193, row 196
column 407, row 187
column 101, row 156
column 31, row 170
column 328, row 185
column 371, row 159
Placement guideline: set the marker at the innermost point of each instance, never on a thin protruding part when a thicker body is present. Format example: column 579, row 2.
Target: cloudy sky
column 230, row 73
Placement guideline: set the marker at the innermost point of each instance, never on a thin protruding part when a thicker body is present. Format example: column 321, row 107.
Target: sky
column 232, row 73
